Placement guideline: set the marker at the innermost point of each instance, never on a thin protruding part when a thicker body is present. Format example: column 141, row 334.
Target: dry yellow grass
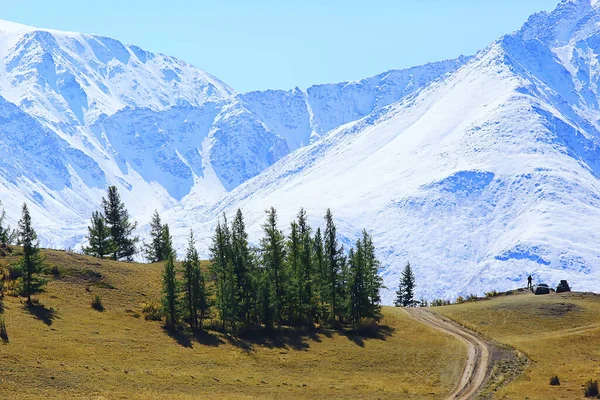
column 67, row 349
column 558, row 332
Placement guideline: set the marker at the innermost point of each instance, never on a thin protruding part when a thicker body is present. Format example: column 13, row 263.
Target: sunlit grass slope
column 66, row 349
column 560, row 333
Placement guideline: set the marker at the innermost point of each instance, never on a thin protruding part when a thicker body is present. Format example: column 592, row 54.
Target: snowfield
column 480, row 170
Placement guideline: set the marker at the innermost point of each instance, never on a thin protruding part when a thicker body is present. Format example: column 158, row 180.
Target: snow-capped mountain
column 156, row 127
column 479, row 179
column 479, row 170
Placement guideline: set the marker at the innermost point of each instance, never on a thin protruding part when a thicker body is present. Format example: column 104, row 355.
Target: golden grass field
column 65, row 349
column 559, row 333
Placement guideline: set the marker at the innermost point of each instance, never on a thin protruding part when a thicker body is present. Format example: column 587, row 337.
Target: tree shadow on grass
column 207, row 339
column 186, row 337
column 284, row 338
column 369, row 332
column 182, row 338
column 39, row 311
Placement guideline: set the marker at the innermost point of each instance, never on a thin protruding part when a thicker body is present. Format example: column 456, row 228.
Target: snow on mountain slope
column 156, row 127
column 480, row 179
column 70, row 78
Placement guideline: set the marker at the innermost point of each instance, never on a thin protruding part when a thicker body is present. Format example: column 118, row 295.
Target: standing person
column 529, row 284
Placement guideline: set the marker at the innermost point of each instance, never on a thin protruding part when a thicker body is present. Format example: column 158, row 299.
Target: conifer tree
column 343, row 287
column 31, row 262
column 100, row 242
column 293, row 276
column 406, row 286
column 222, row 271
column 188, row 265
column 358, row 295
column 273, row 256
column 155, row 250
column 374, row 281
column 243, row 269
column 307, row 295
column 167, row 243
column 332, row 261
column 6, row 233
column 320, row 275
column 201, row 303
column 121, row 229
column 170, row 293
column 194, row 296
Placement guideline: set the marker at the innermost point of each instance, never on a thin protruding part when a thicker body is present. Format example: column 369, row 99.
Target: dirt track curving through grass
column 478, row 363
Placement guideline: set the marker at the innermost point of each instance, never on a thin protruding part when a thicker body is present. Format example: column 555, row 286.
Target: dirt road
column 478, row 353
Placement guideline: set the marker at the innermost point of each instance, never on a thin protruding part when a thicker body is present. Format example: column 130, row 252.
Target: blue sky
column 254, row 45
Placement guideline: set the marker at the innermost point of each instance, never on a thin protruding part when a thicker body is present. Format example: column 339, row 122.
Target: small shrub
column 97, row 303
column 152, row 311
column 437, row 303
column 554, row 381
column 459, row 300
column 472, row 297
column 55, row 271
column 491, row 294
column 3, row 332
column 423, row 303
column 14, row 272
column 590, row 389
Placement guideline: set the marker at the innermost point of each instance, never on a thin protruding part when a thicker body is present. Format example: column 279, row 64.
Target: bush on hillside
column 472, row 297
column 590, row 389
column 459, row 300
column 439, row 303
column 491, row 294
column 97, row 303
column 554, row 381
column 152, row 311
column 55, row 271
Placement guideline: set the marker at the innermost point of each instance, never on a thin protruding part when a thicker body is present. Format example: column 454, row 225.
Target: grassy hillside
column 559, row 332
column 64, row 348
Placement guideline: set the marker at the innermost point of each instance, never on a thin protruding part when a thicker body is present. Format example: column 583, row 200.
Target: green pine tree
column 7, row 235
column 223, row 275
column 170, row 290
column 31, row 262
column 121, row 229
column 155, row 250
column 195, row 296
column 308, row 300
column 167, row 243
column 320, row 275
column 273, row 256
column 406, row 287
column 374, row 281
column 332, row 254
column 189, row 264
column 293, row 277
column 201, row 303
column 244, row 271
column 100, row 241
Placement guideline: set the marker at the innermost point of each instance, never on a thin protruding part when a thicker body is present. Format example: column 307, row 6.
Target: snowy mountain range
column 479, row 170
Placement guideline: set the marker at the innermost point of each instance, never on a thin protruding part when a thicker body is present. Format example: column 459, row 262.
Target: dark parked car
column 562, row 287
column 541, row 288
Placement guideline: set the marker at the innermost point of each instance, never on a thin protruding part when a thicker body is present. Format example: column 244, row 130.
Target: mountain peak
column 15, row 27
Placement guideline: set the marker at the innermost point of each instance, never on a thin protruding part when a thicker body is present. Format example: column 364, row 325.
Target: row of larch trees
column 298, row 280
